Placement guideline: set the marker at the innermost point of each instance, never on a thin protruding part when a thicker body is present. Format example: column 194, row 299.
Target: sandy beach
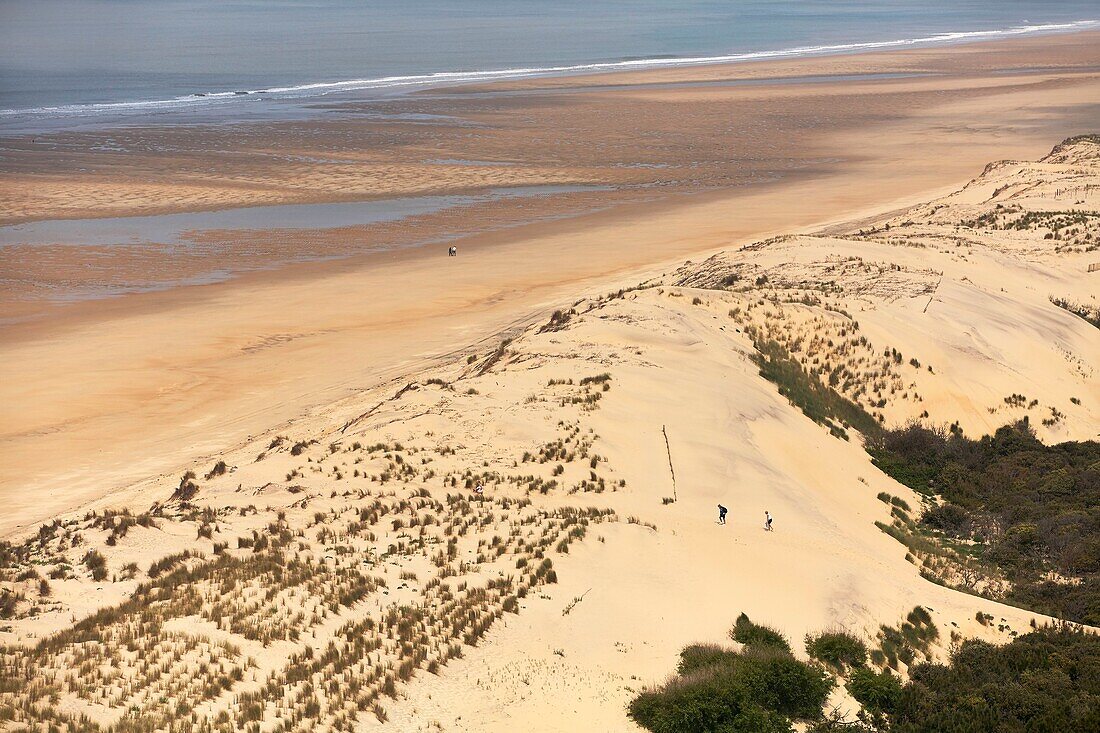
column 343, row 390
column 136, row 384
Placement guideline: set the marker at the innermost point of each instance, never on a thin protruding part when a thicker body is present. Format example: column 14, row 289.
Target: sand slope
column 356, row 531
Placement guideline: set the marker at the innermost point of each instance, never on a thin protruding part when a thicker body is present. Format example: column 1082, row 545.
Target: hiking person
column 767, row 520
column 722, row 514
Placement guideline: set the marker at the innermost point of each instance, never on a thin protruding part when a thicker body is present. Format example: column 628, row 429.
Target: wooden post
column 670, row 468
column 933, row 295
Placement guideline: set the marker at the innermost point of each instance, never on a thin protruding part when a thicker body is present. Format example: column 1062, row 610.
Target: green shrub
column 837, row 649
column 757, row 690
column 704, row 702
column 1079, row 602
column 877, row 692
column 758, row 635
column 1046, row 680
column 779, row 682
column 700, row 656
column 1034, row 507
column 919, row 616
column 718, row 689
column 900, row 503
column 950, row 519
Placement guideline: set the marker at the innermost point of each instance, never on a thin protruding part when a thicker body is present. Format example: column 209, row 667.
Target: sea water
column 179, row 228
column 77, row 60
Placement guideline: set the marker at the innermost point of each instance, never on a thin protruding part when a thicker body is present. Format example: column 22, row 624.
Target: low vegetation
column 817, row 401
column 837, row 649
column 1088, row 313
column 1045, row 680
column 758, row 636
column 878, row 692
column 906, row 643
column 761, row 688
column 345, row 648
column 1027, row 510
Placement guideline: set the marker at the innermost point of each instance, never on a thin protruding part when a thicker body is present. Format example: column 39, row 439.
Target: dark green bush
column 1047, row 680
column 877, row 692
column 756, row 686
column 779, row 682
column 756, row 691
column 837, row 649
column 1035, row 507
column 758, row 635
column 950, row 519
column 704, row 702
column 1079, row 602
column 698, row 656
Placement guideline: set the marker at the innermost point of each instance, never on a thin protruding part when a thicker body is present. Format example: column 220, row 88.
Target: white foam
column 460, row 77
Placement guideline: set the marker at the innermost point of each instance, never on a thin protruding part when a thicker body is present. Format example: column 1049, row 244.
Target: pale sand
column 971, row 301
column 101, row 394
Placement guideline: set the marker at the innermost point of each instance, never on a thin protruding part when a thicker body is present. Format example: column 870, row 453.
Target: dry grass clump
column 187, row 488
column 559, row 319
column 219, row 469
column 1090, row 314
column 96, row 564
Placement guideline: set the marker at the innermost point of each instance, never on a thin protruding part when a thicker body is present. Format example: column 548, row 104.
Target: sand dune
column 345, row 572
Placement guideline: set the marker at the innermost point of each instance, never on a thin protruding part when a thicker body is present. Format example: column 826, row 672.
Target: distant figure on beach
column 722, row 514
column 767, row 520
column 452, row 252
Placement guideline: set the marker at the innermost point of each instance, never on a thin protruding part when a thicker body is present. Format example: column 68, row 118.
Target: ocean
column 78, row 62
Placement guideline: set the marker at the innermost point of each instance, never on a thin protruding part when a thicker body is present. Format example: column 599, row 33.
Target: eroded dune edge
column 347, row 573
